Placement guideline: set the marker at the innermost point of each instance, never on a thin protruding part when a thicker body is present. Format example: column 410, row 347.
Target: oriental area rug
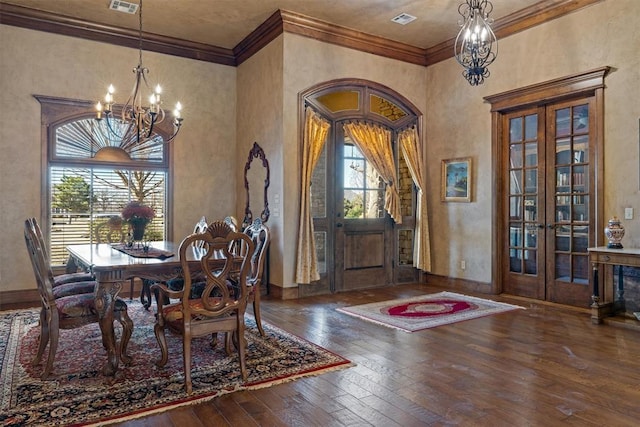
column 78, row 394
column 426, row 311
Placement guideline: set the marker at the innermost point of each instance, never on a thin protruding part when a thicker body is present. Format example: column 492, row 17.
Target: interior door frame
column 365, row 88
column 585, row 84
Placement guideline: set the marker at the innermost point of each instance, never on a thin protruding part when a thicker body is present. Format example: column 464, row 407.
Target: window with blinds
column 94, row 170
column 84, row 198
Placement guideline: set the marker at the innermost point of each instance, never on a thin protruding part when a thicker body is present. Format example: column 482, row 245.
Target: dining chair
column 66, row 310
column 177, row 283
column 198, row 283
column 217, row 310
column 60, row 279
column 260, row 236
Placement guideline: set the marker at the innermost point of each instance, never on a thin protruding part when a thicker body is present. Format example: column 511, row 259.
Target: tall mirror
column 256, row 183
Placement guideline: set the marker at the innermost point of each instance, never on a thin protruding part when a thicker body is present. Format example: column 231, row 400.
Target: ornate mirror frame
column 256, row 152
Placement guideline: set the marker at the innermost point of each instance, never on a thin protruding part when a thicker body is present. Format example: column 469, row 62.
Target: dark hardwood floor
column 543, row 366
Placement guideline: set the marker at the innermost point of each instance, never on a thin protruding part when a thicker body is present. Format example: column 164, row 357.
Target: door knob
column 551, row 226
column 338, row 224
column 540, row 225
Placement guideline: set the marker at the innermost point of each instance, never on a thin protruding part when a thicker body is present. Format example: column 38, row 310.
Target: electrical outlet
column 628, row 213
column 463, row 264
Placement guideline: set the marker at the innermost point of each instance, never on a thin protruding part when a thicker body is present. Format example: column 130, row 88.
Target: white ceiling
column 224, row 23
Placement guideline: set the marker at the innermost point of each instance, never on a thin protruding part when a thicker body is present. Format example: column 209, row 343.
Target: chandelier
column 476, row 45
column 141, row 118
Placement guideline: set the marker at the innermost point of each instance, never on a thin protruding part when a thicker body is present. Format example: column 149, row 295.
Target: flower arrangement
column 136, row 212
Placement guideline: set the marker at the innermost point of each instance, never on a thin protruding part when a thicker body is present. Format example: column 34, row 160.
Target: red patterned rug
column 426, row 311
column 78, row 394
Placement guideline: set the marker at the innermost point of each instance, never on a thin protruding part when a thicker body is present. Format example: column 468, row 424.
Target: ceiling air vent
column 123, row 6
column 403, row 19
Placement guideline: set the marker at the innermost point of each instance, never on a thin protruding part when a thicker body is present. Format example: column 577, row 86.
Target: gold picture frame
column 456, row 180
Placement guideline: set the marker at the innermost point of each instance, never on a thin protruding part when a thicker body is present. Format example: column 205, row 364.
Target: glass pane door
column 572, row 213
column 523, row 194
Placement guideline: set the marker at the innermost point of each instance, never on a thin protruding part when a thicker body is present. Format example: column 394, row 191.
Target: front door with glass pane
column 548, row 212
column 363, row 229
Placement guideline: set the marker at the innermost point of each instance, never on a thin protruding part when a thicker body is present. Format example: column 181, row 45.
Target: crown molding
column 306, row 26
column 259, row 38
column 539, row 13
column 59, row 24
column 281, row 21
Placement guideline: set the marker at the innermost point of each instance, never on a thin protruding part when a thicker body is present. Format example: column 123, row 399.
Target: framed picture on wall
column 456, row 180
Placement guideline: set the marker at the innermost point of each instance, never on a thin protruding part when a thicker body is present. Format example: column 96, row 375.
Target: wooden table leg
column 105, row 297
column 619, row 305
column 596, row 315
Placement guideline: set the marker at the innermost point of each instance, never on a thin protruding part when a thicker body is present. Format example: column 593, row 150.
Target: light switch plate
column 628, row 213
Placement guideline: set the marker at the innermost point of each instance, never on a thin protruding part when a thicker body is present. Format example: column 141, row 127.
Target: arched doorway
column 358, row 244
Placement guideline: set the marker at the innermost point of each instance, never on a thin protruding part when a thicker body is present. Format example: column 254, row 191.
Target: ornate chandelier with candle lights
column 141, row 118
column 476, row 45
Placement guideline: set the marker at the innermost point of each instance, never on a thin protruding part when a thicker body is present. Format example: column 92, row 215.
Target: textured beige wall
column 208, row 165
column 308, row 62
column 34, row 62
column 260, row 89
column 459, row 125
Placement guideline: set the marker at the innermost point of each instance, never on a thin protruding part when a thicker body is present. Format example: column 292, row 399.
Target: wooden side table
column 605, row 303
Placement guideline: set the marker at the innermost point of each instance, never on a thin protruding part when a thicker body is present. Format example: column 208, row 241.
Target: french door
column 548, row 155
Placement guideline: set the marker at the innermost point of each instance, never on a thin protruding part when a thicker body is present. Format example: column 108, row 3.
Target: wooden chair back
column 62, row 279
column 67, row 311
column 219, row 309
column 260, row 236
column 217, row 263
column 232, row 222
column 113, row 230
column 39, row 261
column 200, row 227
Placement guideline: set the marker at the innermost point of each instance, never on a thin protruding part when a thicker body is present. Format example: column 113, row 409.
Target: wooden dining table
column 113, row 267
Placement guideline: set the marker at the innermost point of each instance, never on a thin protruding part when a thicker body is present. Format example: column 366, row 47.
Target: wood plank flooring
column 543, row 366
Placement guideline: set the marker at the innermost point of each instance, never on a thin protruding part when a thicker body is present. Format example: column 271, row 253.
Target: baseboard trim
column 23, row 298
column 454, row 283
column 278, row 292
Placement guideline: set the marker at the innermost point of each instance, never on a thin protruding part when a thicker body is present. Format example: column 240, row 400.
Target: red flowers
column 136, row 211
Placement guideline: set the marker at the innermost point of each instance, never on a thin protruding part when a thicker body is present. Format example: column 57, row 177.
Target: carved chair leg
column 162, row 342
column 186, row 354
column 214, row 340
column 44, row 338
column 229, row 337
column 53, row 333
column 145, row 294
column 241, row 350
column 132, row 282
column 256, row 311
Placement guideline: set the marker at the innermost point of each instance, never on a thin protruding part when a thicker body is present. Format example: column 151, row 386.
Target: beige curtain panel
column 316, row 130
column 412, row 152
column 375, row 144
